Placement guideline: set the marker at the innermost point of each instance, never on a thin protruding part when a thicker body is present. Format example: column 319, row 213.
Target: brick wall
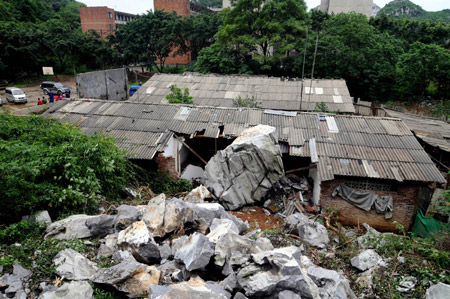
column 404, row 206
column 100, row 19
column 182, row 8
column 167, row 164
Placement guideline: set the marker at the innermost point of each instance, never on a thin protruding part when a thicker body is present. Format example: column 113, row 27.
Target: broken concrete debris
column 244, row 172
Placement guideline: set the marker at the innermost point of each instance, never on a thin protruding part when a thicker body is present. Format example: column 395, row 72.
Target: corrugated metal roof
column 364, row 147
column 270, row 92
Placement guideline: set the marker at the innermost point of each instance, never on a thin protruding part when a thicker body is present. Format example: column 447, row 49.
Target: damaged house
column 270, row 92
column 369, row 154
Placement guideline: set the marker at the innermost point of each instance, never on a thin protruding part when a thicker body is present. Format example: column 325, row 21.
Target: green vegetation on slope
column 405, row 9
column 47, row 165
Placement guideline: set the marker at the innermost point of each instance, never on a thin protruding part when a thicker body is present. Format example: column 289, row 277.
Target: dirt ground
column 258, row 219
column 33, row 92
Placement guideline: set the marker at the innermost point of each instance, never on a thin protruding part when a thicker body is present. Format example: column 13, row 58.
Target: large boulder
column 243, row 173
column 438, row 291
column 308, row 230
column 126, row 215
column 165, row 216
column 72, row 227
column 72, row 290
column 101, row 225
column 137, row 239
column 195, row 252
column 73, row 266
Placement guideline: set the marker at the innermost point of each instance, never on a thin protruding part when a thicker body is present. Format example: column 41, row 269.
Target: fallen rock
column 286, row 294
column 72, row 227
column 406, row 284
column 173, row 271
column 73, row 266
column 127, row 215
column 195, row 252
column 41, row 217
column 372, row 239
column 438, row 291
column 138, row 240
column 185, row 290
column 198, row 195
column 220, row 227
column 308, row 230
column 72, row 290
column 141, row 280
column 244, row 172
column 15, row 281
column 117, row 274
column 232, row 245
column 165, row 216
column 121, row 255
column 108, row 246
column 365, row 279
column 366, row 260
column 101, row 225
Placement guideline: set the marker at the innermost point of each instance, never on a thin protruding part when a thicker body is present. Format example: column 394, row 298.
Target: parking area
column 34, row 92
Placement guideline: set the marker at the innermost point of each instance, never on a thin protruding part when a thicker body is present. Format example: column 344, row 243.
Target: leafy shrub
column 46, row 165
column 18, row 231
column 177, row 97
column 162, row 182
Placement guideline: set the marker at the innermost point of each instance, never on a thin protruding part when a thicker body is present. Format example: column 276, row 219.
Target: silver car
column 15, row 95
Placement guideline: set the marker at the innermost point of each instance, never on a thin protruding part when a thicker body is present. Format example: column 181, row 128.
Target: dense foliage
column 178, row 97
column 37, row 33
column 51, row 166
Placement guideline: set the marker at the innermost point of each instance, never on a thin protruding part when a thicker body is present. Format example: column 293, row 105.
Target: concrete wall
column 100, row 19
column 343, row 6
column 106, row 85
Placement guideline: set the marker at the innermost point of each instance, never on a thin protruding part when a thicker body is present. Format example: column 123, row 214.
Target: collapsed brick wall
column 167, row 164
column 405, row 200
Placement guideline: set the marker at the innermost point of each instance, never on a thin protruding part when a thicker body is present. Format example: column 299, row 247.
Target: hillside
column 405, row 9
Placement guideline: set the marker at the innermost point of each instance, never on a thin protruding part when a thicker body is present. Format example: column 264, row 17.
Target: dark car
column 56, row 87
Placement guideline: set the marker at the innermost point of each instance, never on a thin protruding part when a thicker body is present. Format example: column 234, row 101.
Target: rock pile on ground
column 245, row 171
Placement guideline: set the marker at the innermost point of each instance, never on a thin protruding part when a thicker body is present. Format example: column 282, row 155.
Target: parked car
column 56, row 87
column 133, row 89
column 15, row 95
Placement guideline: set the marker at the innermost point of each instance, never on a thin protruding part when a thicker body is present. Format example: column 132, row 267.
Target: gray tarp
column 365, row 200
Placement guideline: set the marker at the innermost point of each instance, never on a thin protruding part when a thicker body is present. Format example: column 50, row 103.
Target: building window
column 111, row 27
column 371, row 185
column 110, row 14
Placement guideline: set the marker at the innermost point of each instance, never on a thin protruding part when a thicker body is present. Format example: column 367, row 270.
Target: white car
column 15, row 95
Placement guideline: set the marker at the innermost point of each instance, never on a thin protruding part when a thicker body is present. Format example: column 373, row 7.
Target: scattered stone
column 126, row 215
column 372, row 239
column 141, row 280
column 165, row 216
column 117, row 274
column 108, row 246
column 229, row 283
column 401, row 259
column 184, row 290
column 365, row 279
column 15, row 281
column 72, row 227
column 366, row 260
column 195, row 252
column 244, row 172
column 41, row 217
column 230, row 245
column 406, row 284
column 138, row 240
column 72, row 290
column 220, row 227
column 267, row 203
column 131, row 193
column 73, row 266
column 165, row 252
column 438, row 291
column 198, row 195
column 120, row 256
column 308, row 230
column 286, row 294
column 101, row 225
column 239, row 295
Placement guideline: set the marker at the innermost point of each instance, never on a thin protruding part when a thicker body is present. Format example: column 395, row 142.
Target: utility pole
column 312, row 71
column 303, row 67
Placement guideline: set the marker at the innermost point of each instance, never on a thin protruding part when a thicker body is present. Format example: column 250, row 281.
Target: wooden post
column 189, row 148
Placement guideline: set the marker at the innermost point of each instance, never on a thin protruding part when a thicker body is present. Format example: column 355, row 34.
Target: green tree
column 266, row 30
column 149, row 38
column 421, row 66
column 221, row 60
column 178, row 97
column 199, row 32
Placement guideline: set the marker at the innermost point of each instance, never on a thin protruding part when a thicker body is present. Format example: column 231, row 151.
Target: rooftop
column 343, row 145
column 273, row 93
column 435, row 132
